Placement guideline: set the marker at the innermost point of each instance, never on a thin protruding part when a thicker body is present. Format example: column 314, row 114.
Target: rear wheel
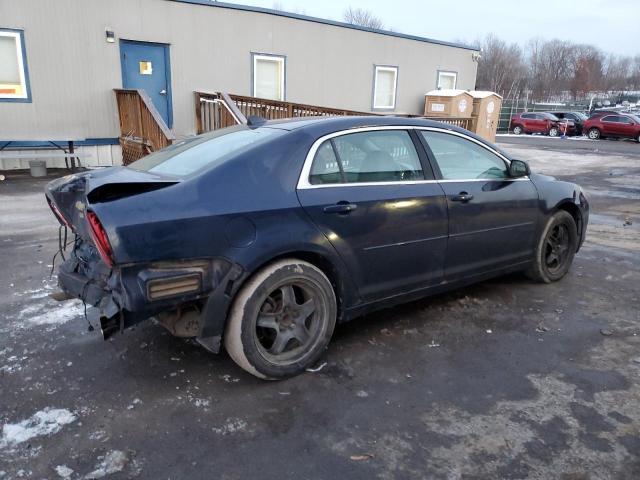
column 517, row 130
column 593, row 134
column 553, row 132
column 281, row 320
column 556, row 248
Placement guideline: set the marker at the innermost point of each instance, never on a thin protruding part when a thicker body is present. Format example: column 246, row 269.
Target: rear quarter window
column 189, row 156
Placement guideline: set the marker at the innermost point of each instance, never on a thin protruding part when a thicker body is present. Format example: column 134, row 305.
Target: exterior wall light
column 111, row 37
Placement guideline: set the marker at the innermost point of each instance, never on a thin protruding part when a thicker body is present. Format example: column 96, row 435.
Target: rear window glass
column 193, row 154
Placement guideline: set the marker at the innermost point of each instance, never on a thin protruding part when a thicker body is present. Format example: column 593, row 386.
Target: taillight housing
column 58, row 214
column 100, row 238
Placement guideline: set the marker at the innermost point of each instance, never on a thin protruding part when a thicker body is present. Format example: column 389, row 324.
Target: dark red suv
column 615, row 125
column 536, row 123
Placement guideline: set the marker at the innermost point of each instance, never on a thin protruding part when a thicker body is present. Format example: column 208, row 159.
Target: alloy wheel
column 557, row 248
column 289, row 322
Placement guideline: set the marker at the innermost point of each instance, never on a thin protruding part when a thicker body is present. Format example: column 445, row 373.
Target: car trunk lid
column 69, row 197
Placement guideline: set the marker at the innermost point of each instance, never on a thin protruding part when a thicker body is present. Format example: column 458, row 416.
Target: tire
column 638, row 138
column 517, row 130
column 554, row 132
column 594, row 134
column 555, row 251
column 291, row 337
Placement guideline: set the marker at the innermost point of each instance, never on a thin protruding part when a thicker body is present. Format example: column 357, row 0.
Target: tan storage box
column 448, row 103
column 486, row 114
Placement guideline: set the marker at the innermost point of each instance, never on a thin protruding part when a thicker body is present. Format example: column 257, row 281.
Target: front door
column 492, row 217
column 146, row 66
column 369, row 194
column 627, row 127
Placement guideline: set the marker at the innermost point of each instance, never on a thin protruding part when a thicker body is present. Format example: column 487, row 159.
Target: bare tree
column 617, row 73
column 634, row 77
column 500, row 68
column 587, row 71
column 362, row 18
column 550, row 67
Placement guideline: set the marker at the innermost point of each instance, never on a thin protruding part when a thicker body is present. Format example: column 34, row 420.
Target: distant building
column 60, row 61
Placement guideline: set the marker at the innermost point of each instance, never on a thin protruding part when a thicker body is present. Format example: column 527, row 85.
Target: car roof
column 345, row 122
column 317, row 127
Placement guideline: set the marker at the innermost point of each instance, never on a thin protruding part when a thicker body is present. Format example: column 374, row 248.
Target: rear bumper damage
column 189, row 297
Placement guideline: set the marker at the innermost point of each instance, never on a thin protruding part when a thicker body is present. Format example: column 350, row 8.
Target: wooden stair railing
column 215, row 111
column 220, row 110
column 142, row 129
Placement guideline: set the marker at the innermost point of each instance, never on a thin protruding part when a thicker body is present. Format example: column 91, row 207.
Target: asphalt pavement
column 572, row 144
column 506, row 379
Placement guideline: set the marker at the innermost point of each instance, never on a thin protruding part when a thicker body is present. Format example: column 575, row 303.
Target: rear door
column 611, row 125
column 528, row 121
column 375, row 199
column 492, row 217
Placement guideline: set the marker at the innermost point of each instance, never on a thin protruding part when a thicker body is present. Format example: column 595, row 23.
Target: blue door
column 146, row 66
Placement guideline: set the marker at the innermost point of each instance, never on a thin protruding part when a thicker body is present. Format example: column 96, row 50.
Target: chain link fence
column 511, row 107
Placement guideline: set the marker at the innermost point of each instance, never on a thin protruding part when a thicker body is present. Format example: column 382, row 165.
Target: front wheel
column 281, row 320
column 553, row 132
column 517, row 130
column 555, row 249
column 594, row 134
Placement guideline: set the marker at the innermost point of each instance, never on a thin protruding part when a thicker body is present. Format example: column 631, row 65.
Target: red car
column 537, row 123
column 618, row 125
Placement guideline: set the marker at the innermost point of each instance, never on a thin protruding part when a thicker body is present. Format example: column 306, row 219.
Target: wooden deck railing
column 466, row 123
column 142, row 129
column 220, row 110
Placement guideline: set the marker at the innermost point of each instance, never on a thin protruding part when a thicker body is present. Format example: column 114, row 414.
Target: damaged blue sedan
column 261, row 238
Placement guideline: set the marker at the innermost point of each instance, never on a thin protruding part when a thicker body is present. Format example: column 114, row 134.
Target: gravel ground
column 505, row 379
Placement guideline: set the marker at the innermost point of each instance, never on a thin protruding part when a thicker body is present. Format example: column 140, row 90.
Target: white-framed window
column 14, row 78
column 447, row 80
column 385, row 84
column 269, row 76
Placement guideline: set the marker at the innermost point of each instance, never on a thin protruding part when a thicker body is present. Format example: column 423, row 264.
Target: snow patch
column 232, row 425
column 14, row 364
column 43, row 423
column 51, row 314
column 64, row 471
column 113, row 462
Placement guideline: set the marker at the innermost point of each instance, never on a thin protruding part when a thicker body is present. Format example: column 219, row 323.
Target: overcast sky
column 612, row 25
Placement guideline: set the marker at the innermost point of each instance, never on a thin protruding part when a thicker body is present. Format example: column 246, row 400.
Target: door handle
column 341, row 208
column 163, row 91
column 463, row 197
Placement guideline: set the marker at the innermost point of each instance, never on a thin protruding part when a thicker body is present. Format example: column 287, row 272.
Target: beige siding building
column 60, row 61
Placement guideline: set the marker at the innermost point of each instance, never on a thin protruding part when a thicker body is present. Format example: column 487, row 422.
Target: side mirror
column 519, row 168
